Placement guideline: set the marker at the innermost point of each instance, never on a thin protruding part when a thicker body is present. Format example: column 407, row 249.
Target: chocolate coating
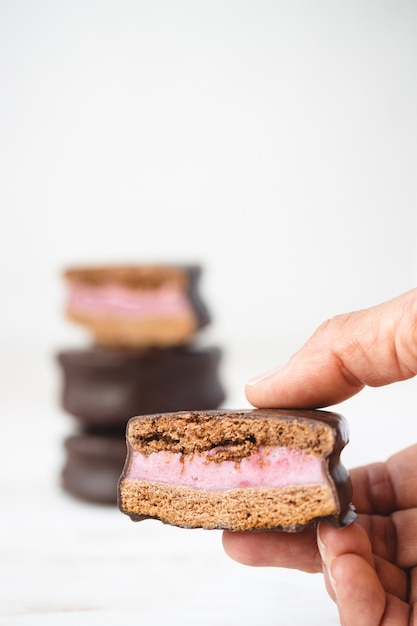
column 105, row 387
column 92, row 468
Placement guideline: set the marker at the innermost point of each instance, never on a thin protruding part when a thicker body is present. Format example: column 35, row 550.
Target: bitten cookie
column 237, row 470
column 137, row 306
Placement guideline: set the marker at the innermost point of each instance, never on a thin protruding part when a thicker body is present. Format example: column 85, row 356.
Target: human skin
column 370, row 567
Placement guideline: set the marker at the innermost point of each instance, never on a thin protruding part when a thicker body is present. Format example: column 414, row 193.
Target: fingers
column 369, row 591
column 382, row 534
column 382, row 488
column 373, row 489
column 385, row 496
column 353, row 582
column 359, row 595
column 334, row 542
column 275, row 549
column 350, row 576
column 405, row 523
column 361, row 599
column 402, row 468
column 393, row 579
column 375, row 346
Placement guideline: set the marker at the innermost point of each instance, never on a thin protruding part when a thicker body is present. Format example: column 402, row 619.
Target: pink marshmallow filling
column 113, row 299
column 268, row 467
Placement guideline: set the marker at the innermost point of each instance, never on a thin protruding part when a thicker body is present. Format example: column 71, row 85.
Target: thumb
column 374, row 346
column 350, row 575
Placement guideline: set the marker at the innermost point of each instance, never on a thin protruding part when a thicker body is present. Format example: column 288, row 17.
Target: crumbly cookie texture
column 238, row 470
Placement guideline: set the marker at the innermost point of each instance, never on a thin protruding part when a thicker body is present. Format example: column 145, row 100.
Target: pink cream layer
column 268, row 467
column 113, row 299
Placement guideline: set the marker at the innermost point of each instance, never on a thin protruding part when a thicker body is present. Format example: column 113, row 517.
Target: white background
column 273, row 142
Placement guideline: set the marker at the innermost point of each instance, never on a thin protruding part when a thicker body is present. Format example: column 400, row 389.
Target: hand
column 370, row 567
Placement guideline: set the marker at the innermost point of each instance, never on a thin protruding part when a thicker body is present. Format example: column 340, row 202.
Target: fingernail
column 328, row 566
column 321, row 546
column 264, row 375
column 330, row 575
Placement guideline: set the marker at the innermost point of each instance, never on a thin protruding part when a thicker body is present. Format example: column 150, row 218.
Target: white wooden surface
column 65, row 562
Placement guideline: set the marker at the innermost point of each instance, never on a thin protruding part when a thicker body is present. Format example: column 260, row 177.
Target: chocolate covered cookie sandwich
column 104, row 387
column 237, row 470
column 137, row 305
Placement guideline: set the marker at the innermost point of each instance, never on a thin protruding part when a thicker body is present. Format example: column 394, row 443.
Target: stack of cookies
column 144, row 321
